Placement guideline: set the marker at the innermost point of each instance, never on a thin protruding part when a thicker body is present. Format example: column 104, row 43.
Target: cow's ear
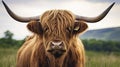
column 79, row 27
column 35, row 27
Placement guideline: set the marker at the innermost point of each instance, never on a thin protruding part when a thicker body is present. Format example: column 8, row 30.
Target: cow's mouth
column 57, row 53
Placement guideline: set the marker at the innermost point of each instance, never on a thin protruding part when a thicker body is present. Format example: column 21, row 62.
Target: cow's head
column 57, row 27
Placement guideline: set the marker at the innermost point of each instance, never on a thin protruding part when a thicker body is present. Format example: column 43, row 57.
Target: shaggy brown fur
column 54, row 24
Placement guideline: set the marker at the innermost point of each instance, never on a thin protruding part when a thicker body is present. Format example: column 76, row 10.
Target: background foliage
column 90, row 44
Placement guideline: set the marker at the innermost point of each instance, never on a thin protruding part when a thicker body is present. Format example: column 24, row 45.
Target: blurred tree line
column 8, row 41
column 100, row 45
column 92, row 44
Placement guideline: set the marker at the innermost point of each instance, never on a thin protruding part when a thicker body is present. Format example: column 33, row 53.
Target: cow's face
column 57, row 28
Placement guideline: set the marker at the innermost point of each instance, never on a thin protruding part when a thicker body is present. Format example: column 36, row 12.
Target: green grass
column 7, row 57
column 93, row 59
column 102, row 59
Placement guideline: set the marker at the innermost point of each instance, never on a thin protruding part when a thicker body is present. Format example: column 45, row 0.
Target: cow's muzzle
column 57, row 48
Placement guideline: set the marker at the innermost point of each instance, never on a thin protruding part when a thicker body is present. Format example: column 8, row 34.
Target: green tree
column 8, row 35
column 8, row 41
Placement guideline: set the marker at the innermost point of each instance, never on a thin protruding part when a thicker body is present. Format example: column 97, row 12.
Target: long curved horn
column 18, row 18
column 95, row 19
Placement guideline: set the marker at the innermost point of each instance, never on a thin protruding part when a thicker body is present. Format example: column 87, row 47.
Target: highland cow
column 55, row 41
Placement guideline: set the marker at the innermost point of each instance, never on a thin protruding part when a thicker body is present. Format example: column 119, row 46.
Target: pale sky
column 28, row 8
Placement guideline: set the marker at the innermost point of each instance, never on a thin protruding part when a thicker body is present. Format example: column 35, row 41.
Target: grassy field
column 102, row 59
column 93, row 59
column 8, row 57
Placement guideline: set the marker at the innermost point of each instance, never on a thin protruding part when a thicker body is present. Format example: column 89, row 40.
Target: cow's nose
column 56, row 48
column 57, row 45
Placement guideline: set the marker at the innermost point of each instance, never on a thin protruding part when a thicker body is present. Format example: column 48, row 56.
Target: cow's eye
column 46, row 29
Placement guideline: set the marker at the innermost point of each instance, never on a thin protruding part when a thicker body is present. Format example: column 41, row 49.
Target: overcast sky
column 27, row 8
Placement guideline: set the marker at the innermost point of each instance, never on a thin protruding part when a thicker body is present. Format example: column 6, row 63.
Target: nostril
column 52, row 46
column 61, row 44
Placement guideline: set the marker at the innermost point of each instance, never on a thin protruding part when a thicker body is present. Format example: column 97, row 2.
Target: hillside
column 103, row 34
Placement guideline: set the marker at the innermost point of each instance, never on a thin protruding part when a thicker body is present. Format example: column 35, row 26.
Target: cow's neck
column 56, row 62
